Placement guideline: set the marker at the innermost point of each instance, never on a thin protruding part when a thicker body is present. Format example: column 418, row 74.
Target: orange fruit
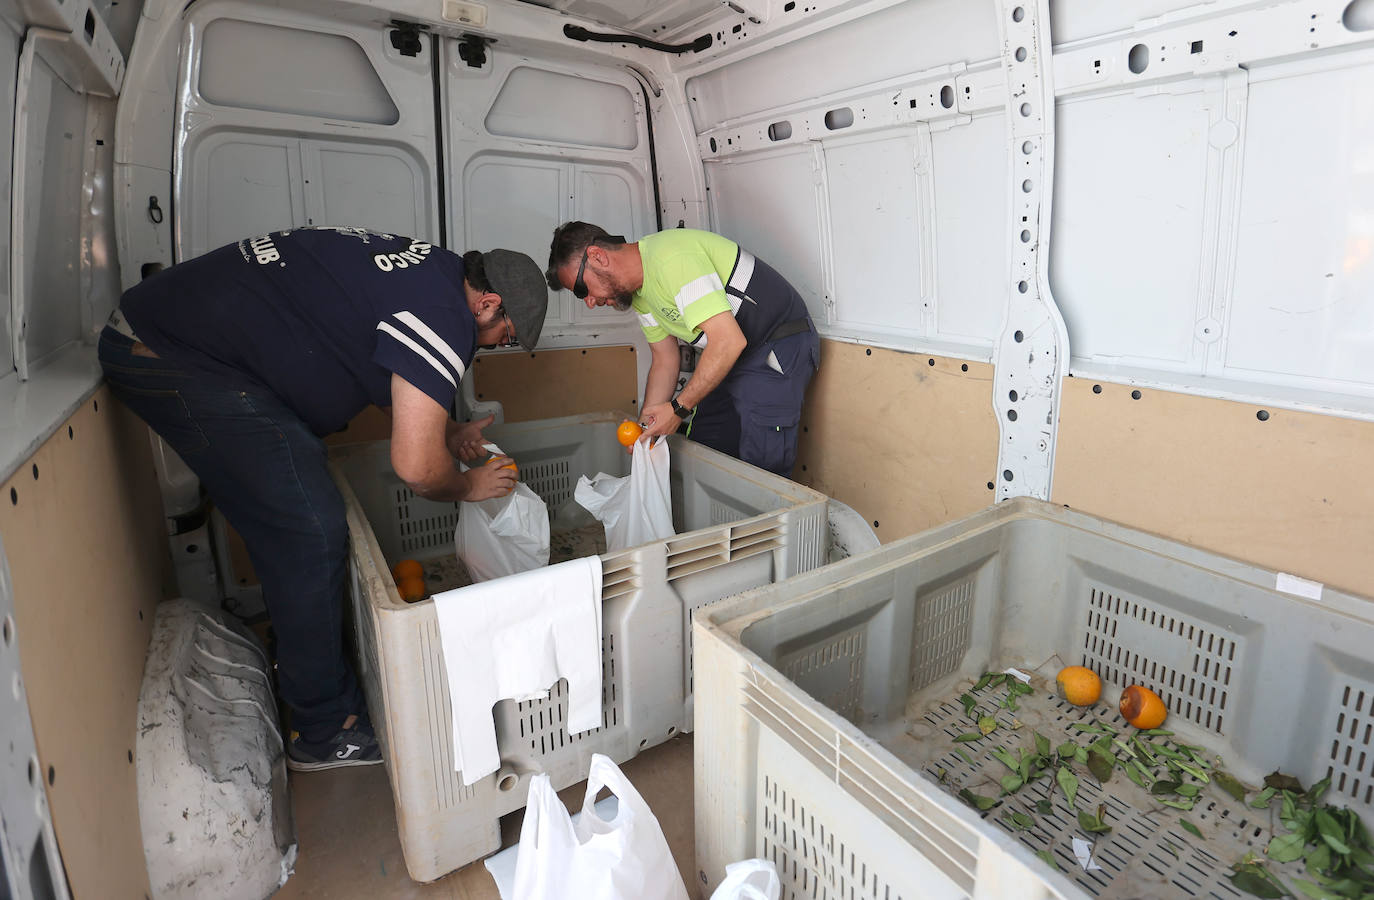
column 628, row 432
column 510, row 465
column 407, row 568
column 412, row 589
column 1079, row 685
column 1142, row 707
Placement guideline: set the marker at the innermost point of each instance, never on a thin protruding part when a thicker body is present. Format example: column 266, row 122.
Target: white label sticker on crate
column 1292, row 584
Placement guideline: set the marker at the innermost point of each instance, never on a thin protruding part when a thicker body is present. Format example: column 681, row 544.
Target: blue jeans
column 267, row 473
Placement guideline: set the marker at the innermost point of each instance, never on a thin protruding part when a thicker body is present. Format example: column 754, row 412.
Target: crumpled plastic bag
column 636, row 508
column 504, row 535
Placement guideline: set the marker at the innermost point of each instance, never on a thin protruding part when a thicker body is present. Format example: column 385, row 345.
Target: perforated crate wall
column 940, row 634
column 831, row 671
column 1351, row 765
column 552, row 480
column 1186, row 661
column 422, row 524
column 543, row 723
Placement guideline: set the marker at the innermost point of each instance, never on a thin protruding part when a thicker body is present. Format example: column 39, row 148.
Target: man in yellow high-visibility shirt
column 758, row 346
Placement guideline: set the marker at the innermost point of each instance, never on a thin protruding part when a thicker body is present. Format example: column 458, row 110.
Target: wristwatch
column 682, row 411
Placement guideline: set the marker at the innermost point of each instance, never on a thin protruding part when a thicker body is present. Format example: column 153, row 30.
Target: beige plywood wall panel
column 1286, row 491
column 87, row 550
column 550, row 383
column 908, row 440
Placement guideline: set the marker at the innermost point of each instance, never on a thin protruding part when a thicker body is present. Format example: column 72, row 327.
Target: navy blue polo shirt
column 320, row 317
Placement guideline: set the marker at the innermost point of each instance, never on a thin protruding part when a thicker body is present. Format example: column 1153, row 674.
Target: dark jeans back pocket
column 166, row 412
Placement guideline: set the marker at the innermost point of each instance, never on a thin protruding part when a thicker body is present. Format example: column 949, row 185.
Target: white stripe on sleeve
column 647, row 320
column 421, row 351
column 438, row 343
column 695, row 290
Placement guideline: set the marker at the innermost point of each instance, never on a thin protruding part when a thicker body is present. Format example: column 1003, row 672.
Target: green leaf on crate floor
column 980, row 803
column 1022, row 821
column 969, row 704
column 1011, row 783
column 1319, row 859
column 1068, row 782
column 1080, row 755
column 1044, row 807
column 1190, row 828
column 1282, row 782
column 987, row 725
column 1189, row 790
column 1261, row 800
column 1157, row 732
column 1196, row 773
column 1102, row 765
column 1090, row 729
column 1094, row 824
column 1185, row 804
column 1285, row 848
column 1318, row 790
column 1143, row 748
column 1255, row 881
column 1137, row 773
column 1315, row 891
column 965, row 738
column 1165, row 787
column 1042, row 744
column 964, row 756
column 943, row 775
column 1066, row 750
column 1048, row 858
column 1332, row 833
column 1015, row 688
column 983, row 682
column 1006, row 758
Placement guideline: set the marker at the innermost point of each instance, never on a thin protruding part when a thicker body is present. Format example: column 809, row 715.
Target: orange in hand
column 628, row 432
column 407, row 568
column 412, row 589
column 1079, row 685
column 510, row 465
column 1142, row 707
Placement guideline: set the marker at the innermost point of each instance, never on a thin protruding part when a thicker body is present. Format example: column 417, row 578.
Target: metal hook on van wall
column 154, row 211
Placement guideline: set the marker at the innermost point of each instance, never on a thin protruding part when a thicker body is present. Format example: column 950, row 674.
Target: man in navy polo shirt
column 242, row 359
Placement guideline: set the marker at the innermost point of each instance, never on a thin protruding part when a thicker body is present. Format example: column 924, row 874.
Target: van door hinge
column 405, row 37
column 472, row 49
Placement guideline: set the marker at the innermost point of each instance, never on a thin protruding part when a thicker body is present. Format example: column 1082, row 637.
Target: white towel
column 513, row 638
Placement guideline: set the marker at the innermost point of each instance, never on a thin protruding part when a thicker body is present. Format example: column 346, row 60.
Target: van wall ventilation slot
column 941, row 634
column 1186, row 661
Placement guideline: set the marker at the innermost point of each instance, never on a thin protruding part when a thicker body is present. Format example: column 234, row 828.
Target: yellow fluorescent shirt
column 685, row 272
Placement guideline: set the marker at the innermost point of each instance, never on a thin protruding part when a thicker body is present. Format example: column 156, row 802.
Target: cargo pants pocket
column 768, row 438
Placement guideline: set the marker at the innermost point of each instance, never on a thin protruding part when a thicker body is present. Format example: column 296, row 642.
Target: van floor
column 346, row 829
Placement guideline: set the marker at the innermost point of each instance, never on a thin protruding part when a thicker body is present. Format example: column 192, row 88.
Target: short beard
column 622, row 301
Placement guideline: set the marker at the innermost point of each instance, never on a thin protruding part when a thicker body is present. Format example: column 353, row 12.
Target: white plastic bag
column 626, row 858
column 636, row 508
column 752, row 879
column 503, row 535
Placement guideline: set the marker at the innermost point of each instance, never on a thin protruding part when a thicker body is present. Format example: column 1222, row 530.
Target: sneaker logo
column 347, row 751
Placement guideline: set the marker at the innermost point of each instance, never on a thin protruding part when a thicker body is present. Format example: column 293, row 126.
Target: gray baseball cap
column 524, row 293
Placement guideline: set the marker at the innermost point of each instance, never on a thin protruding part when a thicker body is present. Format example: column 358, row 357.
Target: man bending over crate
column 243, row 358
column 758, row 346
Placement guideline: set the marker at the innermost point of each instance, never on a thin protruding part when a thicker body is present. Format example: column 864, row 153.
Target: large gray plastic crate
column 827, row 708
column 738, row 527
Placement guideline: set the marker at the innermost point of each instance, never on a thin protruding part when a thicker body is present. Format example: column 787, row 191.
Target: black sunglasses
column 579, row 285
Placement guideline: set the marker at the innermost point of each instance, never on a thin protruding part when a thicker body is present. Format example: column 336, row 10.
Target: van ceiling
column 648, row 18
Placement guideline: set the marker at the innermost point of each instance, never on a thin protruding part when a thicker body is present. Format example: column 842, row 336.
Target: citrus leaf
column 1042, row 744
column 1143, row 748
column 1165, row 787
column 1136, row 773
column 1091, row 729
column 997, row 679
column 1044, row 807
column 1011, row 783
column 1285, row 848
column 1005, row 757
column 1315, row 891
column 1066, row 749
column 980, row 803
column 965, row 738
column 1228, row 783
column 1092, row 824
column 1332, row 833
column 987, row 725
column 1102, row 765
column 1318, row 790
column 1186, row 803
column 1319, row 859
column 1157, row 732
column 1068, row 782
column 1048, row 859
column 1080, row 755
column 969, row 704
column 1190, row 828
column 1261, row 800
column 1022, row 821
column 1248, row 880
column 1189, row 790
column 964, row 756
column 983, row 682
column 1282, row 782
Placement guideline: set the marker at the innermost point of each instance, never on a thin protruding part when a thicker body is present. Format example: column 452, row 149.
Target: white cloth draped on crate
column 513, row 638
